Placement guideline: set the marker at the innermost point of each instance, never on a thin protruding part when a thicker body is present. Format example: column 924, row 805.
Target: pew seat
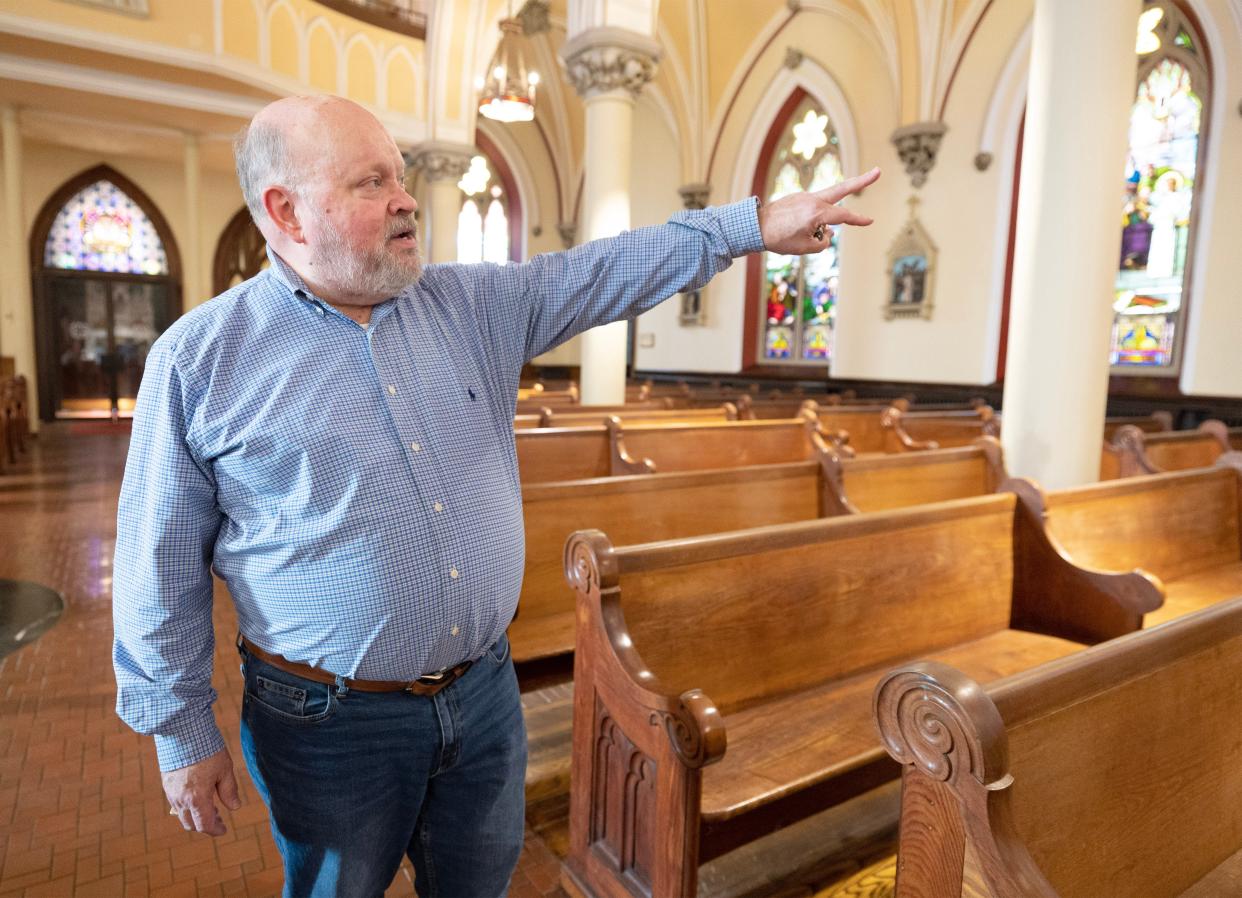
column 1192, row 592
column 815, row 735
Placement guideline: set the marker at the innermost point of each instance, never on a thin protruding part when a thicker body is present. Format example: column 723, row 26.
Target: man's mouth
column 404, row 237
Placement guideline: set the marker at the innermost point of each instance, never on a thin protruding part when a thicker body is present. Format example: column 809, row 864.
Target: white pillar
column 1083, row 67
column 442, row 165
column 193, row 290
column 609, row 67
column 16, row 308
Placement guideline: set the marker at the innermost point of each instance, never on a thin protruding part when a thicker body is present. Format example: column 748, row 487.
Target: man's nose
column 402, row 203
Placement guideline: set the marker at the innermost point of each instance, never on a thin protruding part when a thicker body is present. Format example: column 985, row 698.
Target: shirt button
column 453, row 573
column 455, row 631
column 392, row 390
column 438, row 507
column 416, row 447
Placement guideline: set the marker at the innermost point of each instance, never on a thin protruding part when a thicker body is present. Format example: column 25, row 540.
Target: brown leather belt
column 429, row 684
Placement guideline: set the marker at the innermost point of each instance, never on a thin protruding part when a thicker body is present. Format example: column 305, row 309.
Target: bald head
column 290, row 141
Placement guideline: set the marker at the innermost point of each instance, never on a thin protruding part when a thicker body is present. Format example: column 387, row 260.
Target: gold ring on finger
column 818, row 233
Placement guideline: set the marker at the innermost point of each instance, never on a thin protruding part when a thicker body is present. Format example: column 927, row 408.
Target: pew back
column 835, row 578
column 880, row 482
column 1169, row 524
column 580, row 416
column 861, row 422
column 906, row 430
column 705, row 445
column 563, row 453
column 639, row 509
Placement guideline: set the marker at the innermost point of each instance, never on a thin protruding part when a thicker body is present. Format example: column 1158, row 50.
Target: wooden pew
column 907, row 431
column 880, row 482
column 648, row 507
column 585, row 414
column 1115, row 772
column 563, row 453
column 698, row 446
column 722, row 683
column 539, row 393
column 1156, row 422
column 1133, row 452
column 1182, row 527
column 857, row 427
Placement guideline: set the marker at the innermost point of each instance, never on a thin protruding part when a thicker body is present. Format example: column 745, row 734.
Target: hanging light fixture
column 507, row 93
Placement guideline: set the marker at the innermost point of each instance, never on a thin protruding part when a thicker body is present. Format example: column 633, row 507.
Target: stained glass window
column 103, row 229
column 800, row 292
column 1161, row 171
column 483, row 224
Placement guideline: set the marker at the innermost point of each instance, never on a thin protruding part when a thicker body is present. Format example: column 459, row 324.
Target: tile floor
column 82, row 812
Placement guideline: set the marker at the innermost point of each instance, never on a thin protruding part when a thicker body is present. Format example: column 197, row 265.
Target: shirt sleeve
column 162, row 586
column 622, row 277
column 556, row 296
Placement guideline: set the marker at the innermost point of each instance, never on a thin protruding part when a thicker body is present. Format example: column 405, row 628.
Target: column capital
column 440, row 160
column 917, row 145
column 607, row 59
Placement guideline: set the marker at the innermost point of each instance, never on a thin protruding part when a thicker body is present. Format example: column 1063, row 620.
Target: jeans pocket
column 498, row 654
column 288, row 698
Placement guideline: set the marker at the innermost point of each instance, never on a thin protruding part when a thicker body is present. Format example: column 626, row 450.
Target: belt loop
column 342, row 688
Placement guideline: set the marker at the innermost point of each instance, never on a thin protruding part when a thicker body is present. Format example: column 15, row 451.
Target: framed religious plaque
column 911, row 271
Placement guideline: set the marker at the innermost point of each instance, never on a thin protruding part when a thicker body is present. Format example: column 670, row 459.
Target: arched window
column 241, row 253
column 1160, row 189
column 106, row 284
column 798, row 294
column 489, row 223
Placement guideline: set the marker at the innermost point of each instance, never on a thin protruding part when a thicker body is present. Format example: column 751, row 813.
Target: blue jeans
column 354, row 780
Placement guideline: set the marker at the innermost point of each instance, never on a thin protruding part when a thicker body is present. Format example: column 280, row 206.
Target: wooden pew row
column 645, row 508
column 912, row 431
column 1182, row 527
column 539, row 393
column 1115, row 772
column 586, row 415
column 1133, row 452
column 1156, row 422
column 547, row 454
column 722, row 684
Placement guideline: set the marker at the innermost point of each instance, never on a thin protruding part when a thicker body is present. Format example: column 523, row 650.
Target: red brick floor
column 82, row 812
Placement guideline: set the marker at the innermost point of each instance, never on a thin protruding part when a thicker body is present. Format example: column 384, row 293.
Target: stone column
column 1065, row 257
column 609, row 67
column 442, row 165
column 193, row 290
column 16, row 307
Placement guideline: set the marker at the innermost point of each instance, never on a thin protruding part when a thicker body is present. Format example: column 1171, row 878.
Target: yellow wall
column 178, row 24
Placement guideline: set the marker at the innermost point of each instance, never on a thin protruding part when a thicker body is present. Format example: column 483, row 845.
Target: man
column 334, row 438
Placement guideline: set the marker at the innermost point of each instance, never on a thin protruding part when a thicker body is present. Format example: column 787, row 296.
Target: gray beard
column 375, row 271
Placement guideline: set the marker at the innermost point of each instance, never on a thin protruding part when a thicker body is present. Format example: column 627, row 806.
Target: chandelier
column 507, row 93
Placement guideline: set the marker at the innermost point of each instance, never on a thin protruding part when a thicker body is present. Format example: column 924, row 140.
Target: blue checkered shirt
column 356, row 487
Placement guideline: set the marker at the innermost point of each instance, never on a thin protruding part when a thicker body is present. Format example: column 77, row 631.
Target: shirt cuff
column 198, row 740
column 739, row 222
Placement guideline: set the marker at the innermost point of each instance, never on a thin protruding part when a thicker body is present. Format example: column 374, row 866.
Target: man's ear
column 283, row 214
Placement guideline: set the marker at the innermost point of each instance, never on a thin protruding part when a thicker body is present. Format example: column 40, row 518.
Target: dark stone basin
column 27, row 611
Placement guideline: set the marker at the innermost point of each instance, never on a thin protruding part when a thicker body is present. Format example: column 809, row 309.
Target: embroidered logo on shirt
column 471, row 392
